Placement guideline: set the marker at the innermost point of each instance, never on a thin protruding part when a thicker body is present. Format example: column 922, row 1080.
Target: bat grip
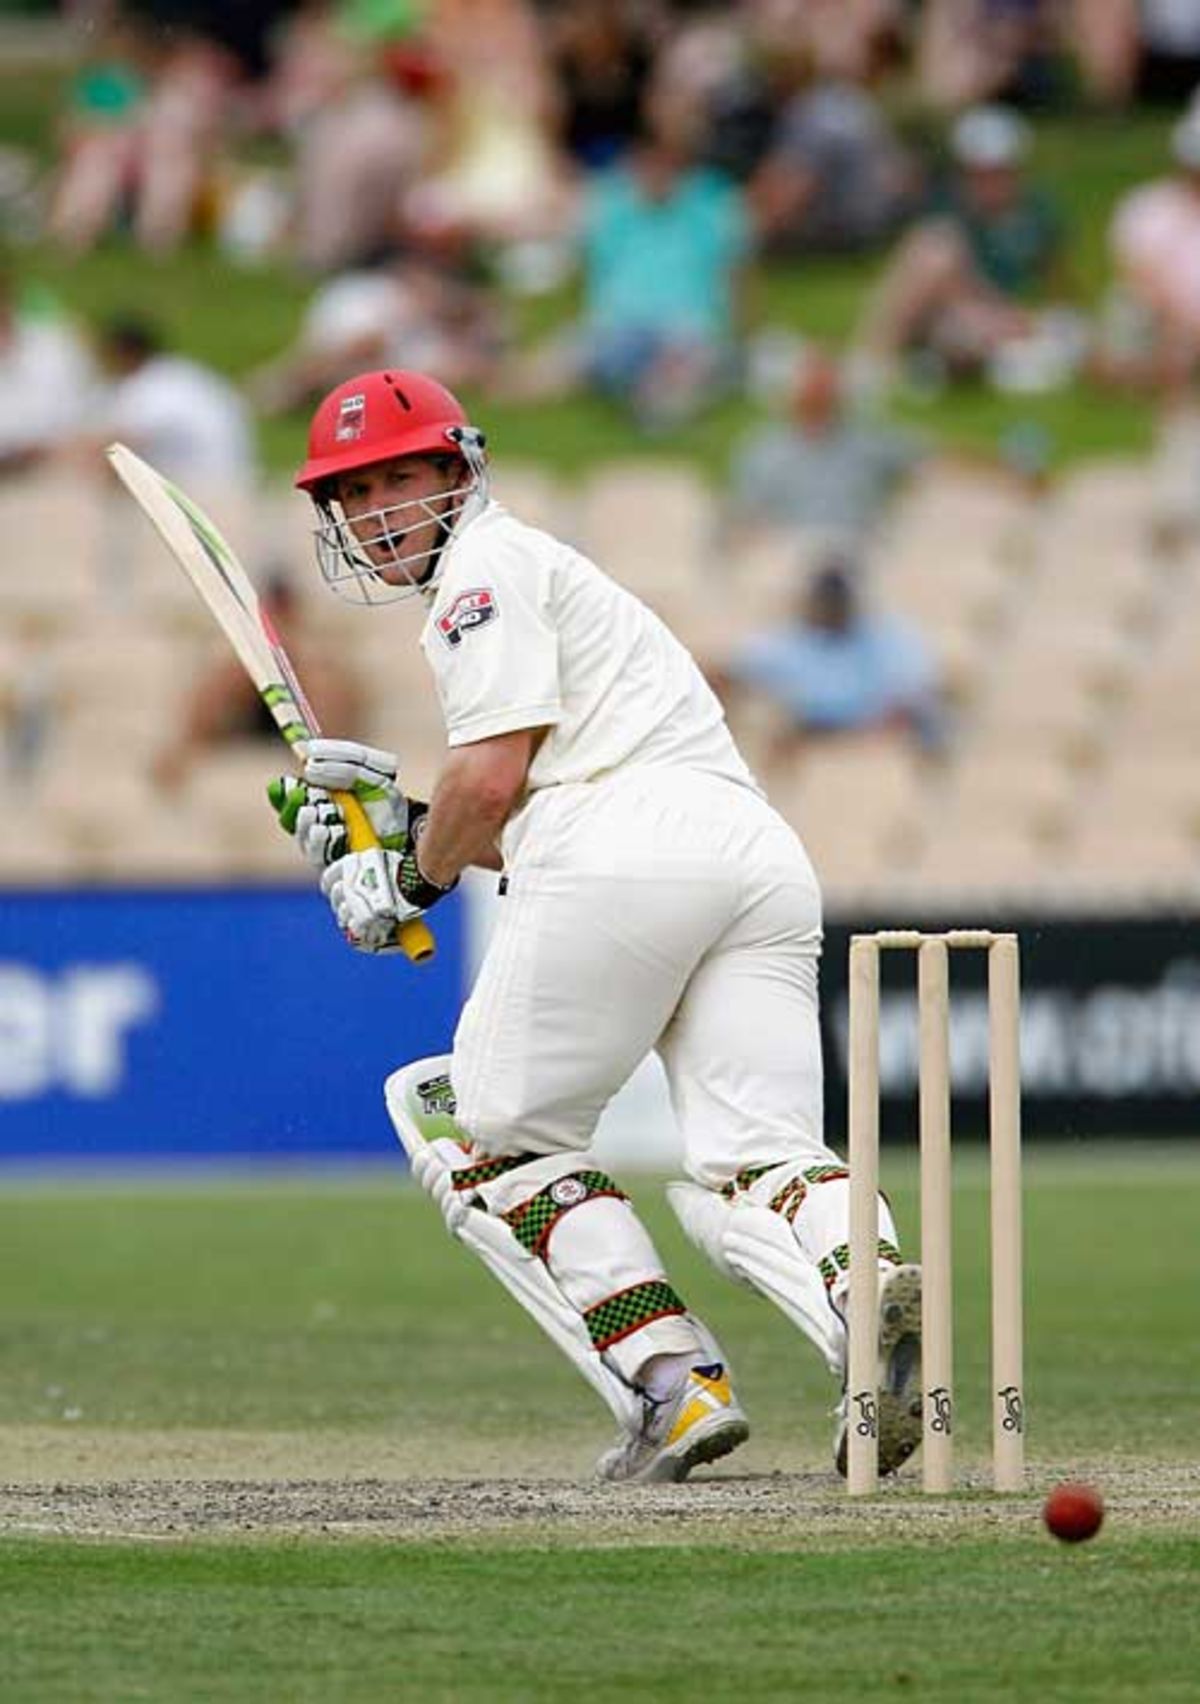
column 416, row 940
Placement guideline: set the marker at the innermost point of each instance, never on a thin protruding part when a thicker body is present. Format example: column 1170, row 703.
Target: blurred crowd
column 427, row 165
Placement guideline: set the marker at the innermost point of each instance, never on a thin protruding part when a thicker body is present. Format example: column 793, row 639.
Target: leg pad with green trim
column 590, row 1278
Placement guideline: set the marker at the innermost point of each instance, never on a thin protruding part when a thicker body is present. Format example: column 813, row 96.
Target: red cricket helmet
column 376, row 416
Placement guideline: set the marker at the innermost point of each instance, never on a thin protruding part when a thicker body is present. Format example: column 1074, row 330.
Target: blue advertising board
column 212, row 1023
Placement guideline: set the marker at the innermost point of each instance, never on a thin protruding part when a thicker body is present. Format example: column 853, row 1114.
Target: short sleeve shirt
column 839, row 680
column 838, row 479
column 525, row 632
column 1156, row 230
column 664, row 265
column 1015, row 251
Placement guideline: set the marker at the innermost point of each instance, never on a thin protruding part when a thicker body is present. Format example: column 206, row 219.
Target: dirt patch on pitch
column 171, row 1487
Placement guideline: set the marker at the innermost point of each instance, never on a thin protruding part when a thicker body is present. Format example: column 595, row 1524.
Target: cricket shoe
column 700, row 1423
column 899, row 1410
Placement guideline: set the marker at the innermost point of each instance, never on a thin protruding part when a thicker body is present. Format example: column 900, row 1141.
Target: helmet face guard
column 366, row 560
column 382, row 417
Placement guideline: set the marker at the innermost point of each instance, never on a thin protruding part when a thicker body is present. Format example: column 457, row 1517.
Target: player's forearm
column 473, row 799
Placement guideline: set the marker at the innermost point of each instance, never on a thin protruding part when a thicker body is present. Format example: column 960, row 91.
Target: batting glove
column 362, row 890
column 373, row 893
column 305, row 809
column 311, row 816
column 344, row 766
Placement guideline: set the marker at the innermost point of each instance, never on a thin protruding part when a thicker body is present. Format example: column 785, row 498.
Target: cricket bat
column 227, row 590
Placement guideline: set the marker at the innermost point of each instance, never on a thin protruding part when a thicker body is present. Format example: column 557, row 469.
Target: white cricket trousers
column 661, row 909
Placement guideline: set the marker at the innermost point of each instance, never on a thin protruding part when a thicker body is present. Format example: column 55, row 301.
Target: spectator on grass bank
column 141, row 138
column 851, row 41
column 47, row 377
column 359, row 141
column 781, row 100
column 839, row 668
column 1025, row 51
column 99, row 135
column 408, row 312
column 958, row 295
column 602, row 58
column 1150, row 328
column 712, row 73
column 1165, row 48
column 665, row 252
column 223, row 706
column 821, row 474
column 189, row 421
column 496, row 181
column 834, row 176
column 1141, row 51
column 243, row 29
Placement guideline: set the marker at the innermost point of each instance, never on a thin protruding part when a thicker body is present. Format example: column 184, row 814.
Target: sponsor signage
column 216, row 1023
column 1110, row 1027
column 235, row 1024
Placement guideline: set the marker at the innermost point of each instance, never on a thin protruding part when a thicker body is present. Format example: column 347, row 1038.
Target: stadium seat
column 855, row 802
column 534, row 495
column 52, row 525
column 228, row 788
column 1135, row 861
column 977, row 861
column 649, row 524
column 164, row 846
column 124, row 682
column 953, row 593
column 1015, row 790
column 1037, row 708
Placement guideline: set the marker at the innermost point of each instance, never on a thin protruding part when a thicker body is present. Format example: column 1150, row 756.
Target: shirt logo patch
column 352, row 418
column 468, row 611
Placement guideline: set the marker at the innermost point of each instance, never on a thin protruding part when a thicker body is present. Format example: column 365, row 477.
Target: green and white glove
column 305, row 809
column 367, row 907
column 311, row 816
column 374, row 893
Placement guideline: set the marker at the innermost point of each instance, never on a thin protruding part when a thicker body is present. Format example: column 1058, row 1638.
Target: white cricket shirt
column 524, row 632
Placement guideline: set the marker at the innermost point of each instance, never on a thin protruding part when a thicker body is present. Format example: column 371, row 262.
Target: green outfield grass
column 324, row 1316
column 1010, row 1622
column 294, row 1305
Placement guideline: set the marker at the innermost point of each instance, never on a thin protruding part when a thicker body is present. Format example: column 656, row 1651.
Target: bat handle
column 416, row 940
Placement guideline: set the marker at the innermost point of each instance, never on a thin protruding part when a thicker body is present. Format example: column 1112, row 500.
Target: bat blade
column 225, row 588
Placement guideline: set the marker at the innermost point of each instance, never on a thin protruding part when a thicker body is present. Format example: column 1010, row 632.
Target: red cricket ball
column 1073, row 1512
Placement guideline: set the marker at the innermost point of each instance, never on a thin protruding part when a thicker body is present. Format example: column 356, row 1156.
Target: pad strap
column 790, row 1192
column 480, row 1172
column 533, row 1221
column 834, row 1267
column 629, row 1310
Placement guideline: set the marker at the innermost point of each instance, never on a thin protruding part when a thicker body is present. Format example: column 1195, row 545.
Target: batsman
column 651, row 900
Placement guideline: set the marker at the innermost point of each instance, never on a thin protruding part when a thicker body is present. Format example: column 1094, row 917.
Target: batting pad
column 753, row 1245
column 420, row 1103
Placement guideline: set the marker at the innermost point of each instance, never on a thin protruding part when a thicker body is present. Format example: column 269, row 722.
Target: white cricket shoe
column 700, row 1423
column 899, row 1373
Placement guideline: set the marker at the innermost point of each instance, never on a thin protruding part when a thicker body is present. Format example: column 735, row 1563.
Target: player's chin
column 382, row 555
column 390, row 573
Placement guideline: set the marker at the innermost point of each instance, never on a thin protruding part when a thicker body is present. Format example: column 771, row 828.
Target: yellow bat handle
column 416, row 940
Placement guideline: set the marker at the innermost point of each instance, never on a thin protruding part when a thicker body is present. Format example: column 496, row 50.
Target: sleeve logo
column 468, row 611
